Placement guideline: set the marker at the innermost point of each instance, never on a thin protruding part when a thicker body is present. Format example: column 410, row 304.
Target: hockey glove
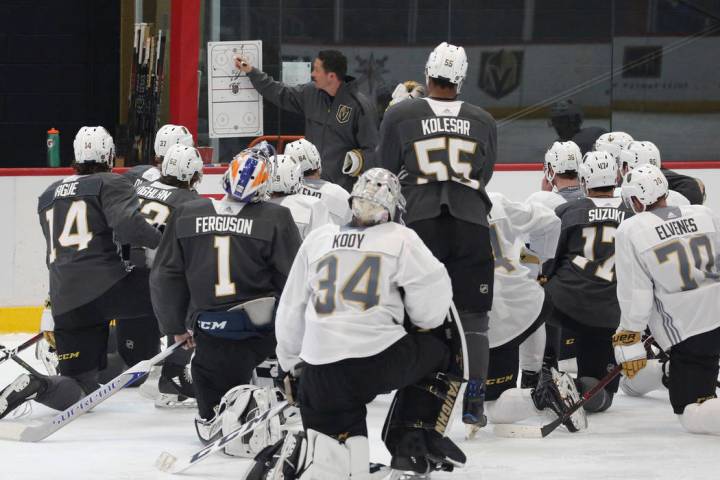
column 629, row 352
column 353, row 163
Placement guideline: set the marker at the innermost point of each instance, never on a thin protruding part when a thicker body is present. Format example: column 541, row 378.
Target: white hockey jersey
column 667, row 273
column 342, row 298
column 335, row 198
column 309, row 213
column 673, row 199
column 517, row 298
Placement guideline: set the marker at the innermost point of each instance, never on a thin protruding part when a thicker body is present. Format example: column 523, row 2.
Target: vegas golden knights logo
column 343, row 113
column 500, row 72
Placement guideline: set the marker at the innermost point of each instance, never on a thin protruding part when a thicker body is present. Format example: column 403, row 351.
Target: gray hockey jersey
column 444, row 153
column 84, row 219
column 216, row 254
column 142, row 173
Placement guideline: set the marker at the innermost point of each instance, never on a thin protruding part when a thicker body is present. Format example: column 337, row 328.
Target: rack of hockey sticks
column 147, row 79
column 512, row 430
column 25, row 432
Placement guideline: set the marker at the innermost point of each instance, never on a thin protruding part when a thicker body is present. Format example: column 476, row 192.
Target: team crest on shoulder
column 343, row 113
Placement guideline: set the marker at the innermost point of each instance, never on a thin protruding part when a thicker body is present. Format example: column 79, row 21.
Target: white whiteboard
column 234, row 106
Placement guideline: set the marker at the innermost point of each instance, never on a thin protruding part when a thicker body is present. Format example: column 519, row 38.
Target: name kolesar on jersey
column 445, row 124
column 242, row 226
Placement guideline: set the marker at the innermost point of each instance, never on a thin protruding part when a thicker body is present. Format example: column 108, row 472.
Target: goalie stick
column 531, row 431
column 6, row 354
column 168, row 462
column 34, row 433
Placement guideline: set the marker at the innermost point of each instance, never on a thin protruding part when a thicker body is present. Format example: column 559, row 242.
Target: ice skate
column 25, row 387
column 473, row 410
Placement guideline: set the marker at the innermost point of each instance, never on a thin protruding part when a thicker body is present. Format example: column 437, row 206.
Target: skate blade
column 471, row 431
column 165, row 461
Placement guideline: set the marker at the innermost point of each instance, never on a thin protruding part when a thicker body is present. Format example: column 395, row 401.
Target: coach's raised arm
column 339, row 120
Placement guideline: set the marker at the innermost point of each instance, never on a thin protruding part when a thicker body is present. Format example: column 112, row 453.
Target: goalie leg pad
column 240, row 405
column 512, row 406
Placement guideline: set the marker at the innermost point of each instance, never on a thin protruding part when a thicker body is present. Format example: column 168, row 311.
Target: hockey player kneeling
column 221, row 265
column 342, row 312
column 667, row 279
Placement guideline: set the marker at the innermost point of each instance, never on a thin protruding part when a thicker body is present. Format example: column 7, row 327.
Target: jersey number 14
column 75, row 230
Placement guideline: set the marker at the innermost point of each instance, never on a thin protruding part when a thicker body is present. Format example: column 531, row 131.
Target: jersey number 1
column 75, row 229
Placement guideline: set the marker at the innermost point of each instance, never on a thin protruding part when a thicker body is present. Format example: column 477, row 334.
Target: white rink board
column 23, row 275
column 638, row 438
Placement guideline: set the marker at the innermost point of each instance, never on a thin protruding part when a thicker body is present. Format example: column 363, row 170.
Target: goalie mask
column 448, row 62
column 563, row 157
column 637, row 154
column 170, row 135
column 94, row 145
column 182, row 162
column 247, row 177
column 376, row 197
column 597, row 170
column 612, row 143
column 305, row 154
column 647, row 184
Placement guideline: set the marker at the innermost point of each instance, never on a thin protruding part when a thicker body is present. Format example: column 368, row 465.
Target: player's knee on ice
column 702, row 417
column 645, row 381
column 600, row 402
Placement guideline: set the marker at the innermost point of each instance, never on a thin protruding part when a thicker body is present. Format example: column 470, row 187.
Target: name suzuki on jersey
column 66, row 189
column 348, row 240
column 682, row 226
column 242, row 226
column 602, row 214
column 154, row 193
column 445, row 124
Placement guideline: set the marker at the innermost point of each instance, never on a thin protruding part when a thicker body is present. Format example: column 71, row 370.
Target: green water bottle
column 53, row 148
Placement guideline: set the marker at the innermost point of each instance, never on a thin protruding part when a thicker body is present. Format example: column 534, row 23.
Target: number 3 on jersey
column 75, row 228
column 361, row 287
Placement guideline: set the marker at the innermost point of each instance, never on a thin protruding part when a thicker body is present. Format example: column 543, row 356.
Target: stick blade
column 165, row 462
column 511, row 430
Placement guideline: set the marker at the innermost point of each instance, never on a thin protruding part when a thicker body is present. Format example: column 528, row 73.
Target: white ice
column 638, row 438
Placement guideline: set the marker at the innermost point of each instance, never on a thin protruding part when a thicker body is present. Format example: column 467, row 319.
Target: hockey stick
column 168, row 462
column 531, row 431
column 9, row 353
column 34, row 433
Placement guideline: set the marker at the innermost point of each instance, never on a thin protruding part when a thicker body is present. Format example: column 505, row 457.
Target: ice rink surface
column 639, row 438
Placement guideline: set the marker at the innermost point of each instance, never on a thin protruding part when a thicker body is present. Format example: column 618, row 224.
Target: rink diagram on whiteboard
column 234, row 106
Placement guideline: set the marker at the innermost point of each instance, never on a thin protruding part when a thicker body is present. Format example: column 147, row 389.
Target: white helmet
column 305, row 154
column 647, row 184
column 597, row 169
column 612, row 143
column 563, row 157
column 448, row 62
column 170, row 135
column 376, row 196
column 285, row 174
column 181, row 162
column 94, row 145
column 639, row 153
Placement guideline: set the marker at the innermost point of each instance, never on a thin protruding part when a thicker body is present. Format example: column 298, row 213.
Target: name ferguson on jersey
column 677, row 227
column 242, row 226
column 445, row 124
column 602, row 214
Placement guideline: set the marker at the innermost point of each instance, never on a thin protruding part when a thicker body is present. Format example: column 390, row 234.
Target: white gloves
column 353, row 163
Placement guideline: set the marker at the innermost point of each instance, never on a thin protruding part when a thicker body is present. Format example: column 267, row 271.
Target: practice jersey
column 309, row 213
column 140, row 174
column 667, row 272
column 444, row 153
column 157, row 201
column 673, row 199
column 84, row 220
column 582, row 278
column 354, row 286
column 216, row 254
column 517, row 299
column 335, row 198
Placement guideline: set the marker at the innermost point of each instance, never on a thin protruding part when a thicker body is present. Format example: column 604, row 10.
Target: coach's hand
column 629, row 352
column 243, row 64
